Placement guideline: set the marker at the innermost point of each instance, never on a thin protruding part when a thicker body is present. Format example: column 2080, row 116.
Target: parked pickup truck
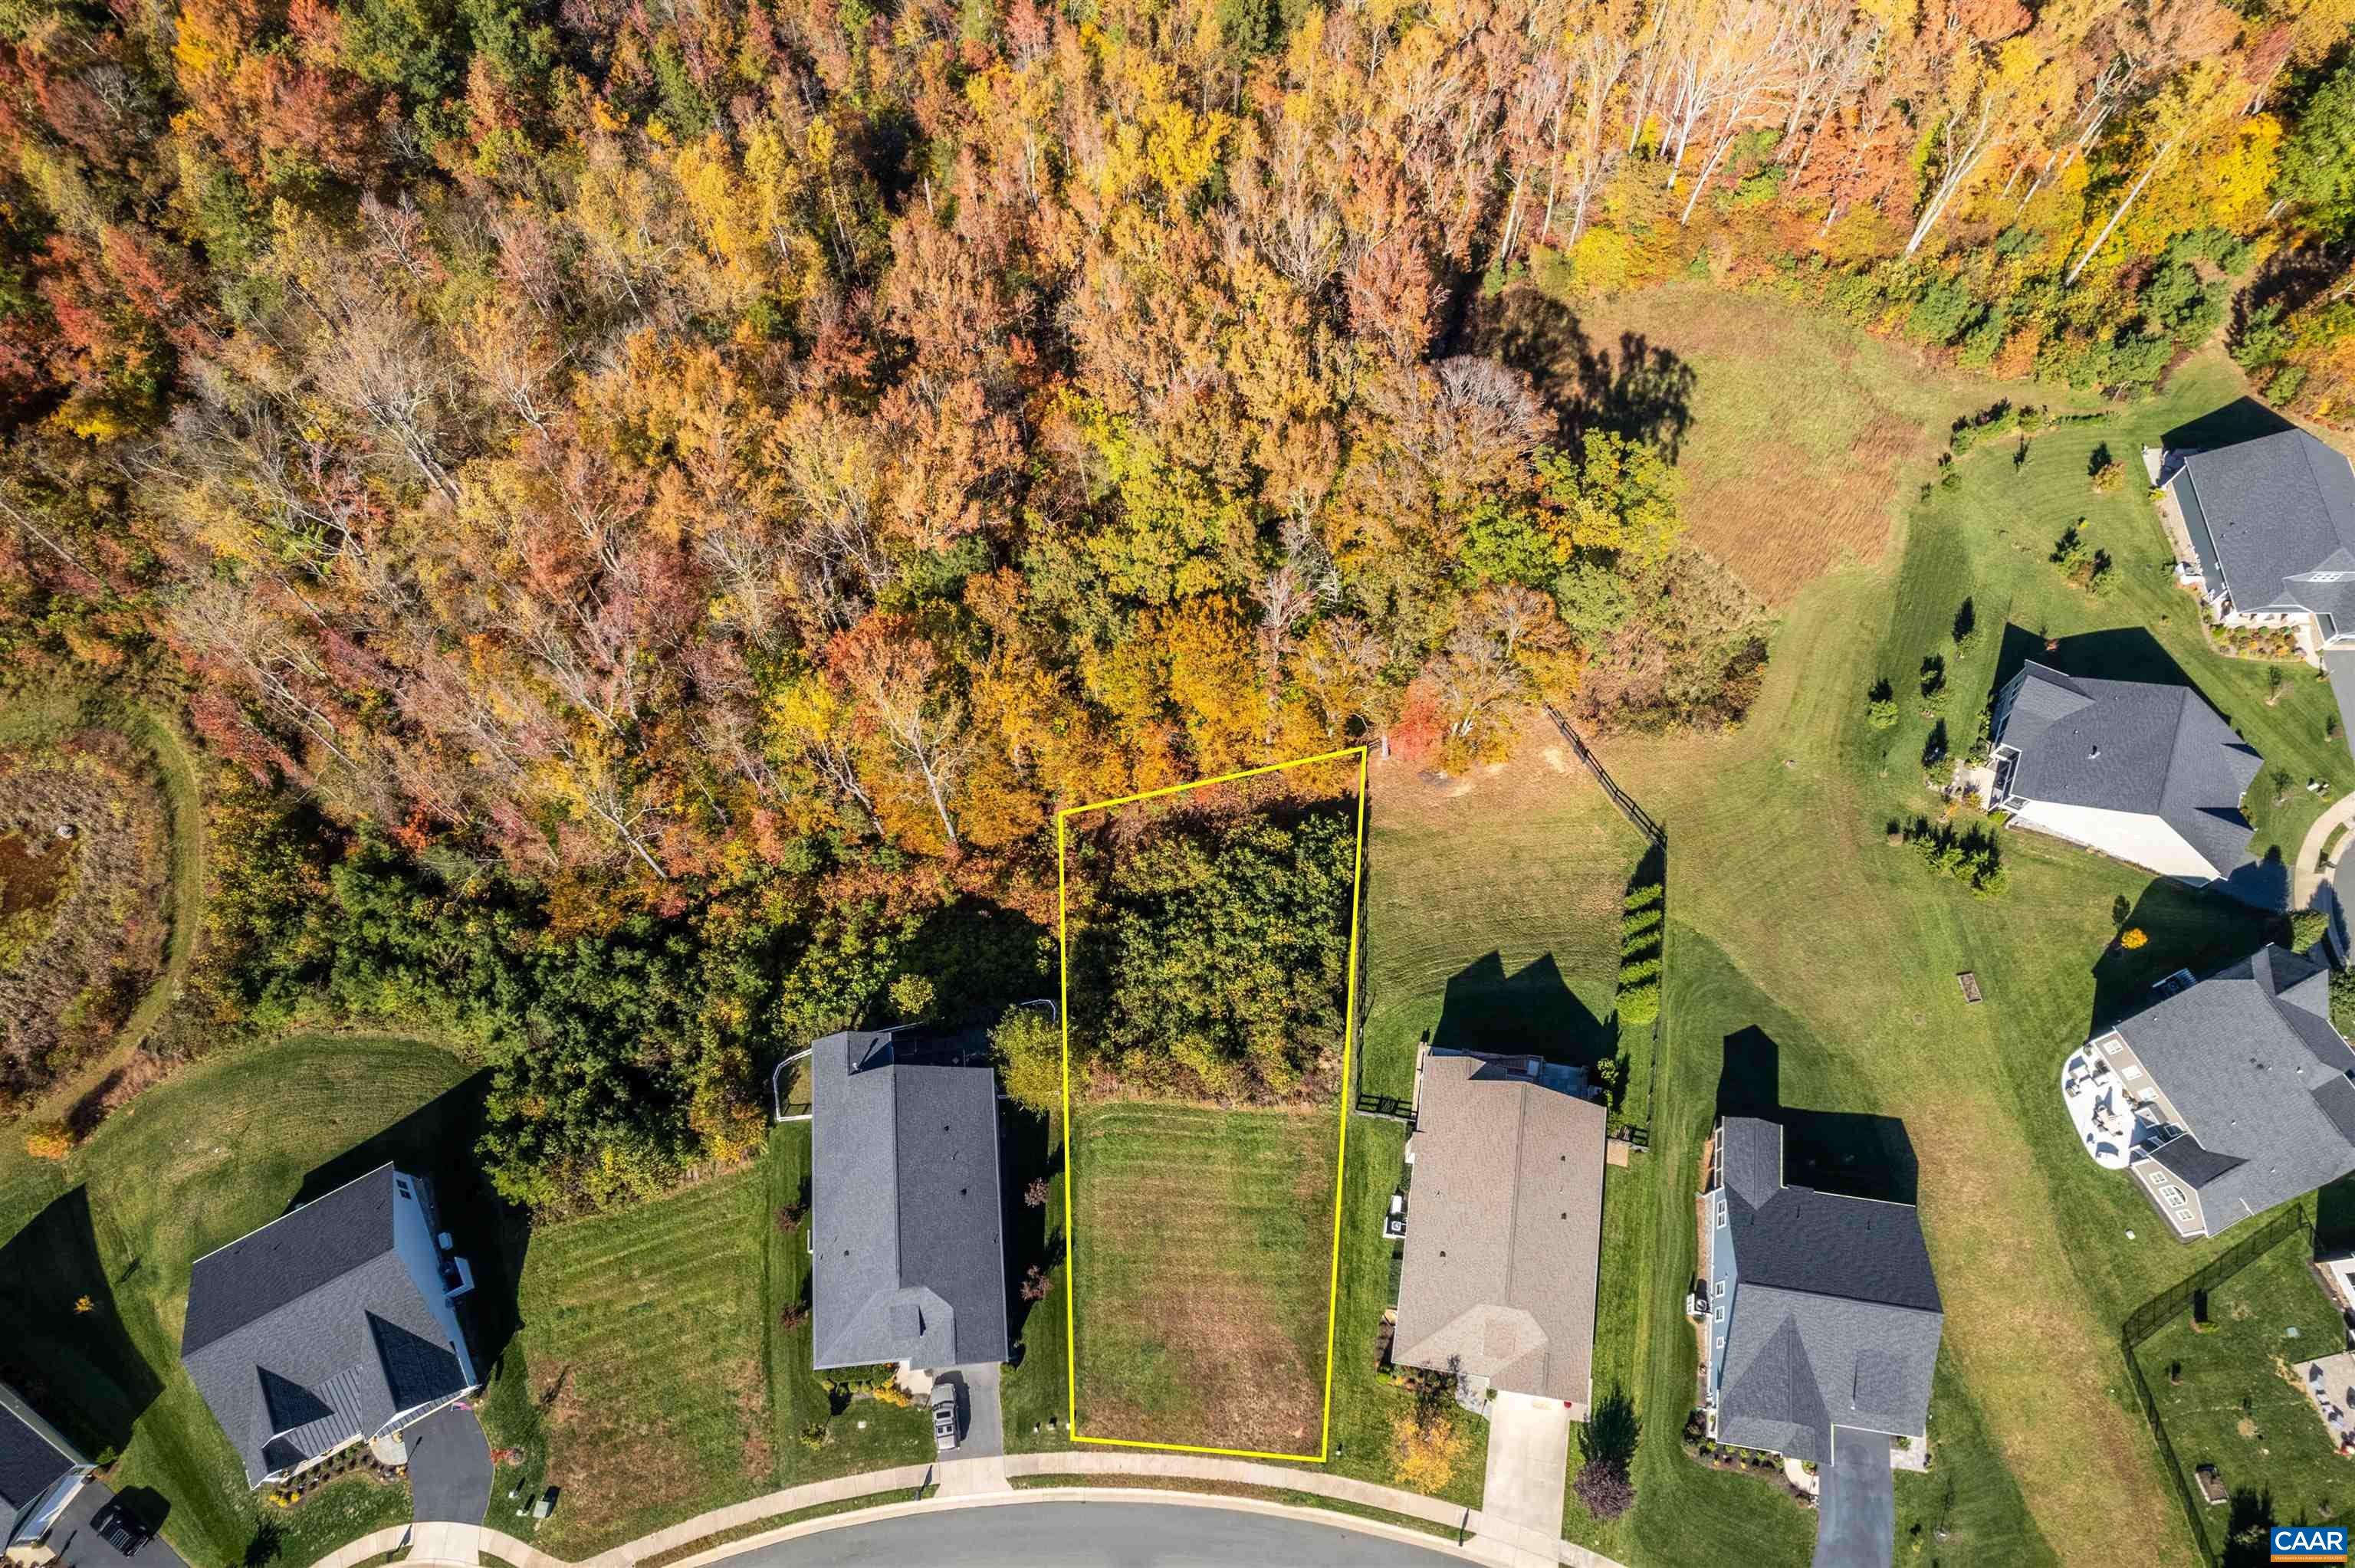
column 945, row 1417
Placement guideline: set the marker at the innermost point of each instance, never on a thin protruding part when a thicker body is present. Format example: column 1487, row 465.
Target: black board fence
column 2163, row 1308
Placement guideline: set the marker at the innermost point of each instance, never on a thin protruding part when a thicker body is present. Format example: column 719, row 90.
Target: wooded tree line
column 1209, row 951
column 747, row 462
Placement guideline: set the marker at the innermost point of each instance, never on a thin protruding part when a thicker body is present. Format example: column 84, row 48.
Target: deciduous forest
column 655, row 506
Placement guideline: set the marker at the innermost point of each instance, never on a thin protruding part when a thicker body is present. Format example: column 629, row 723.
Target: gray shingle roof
column 1835, row 1318
column 2129, row 746
column 312, row 1331
column 30, row 1462
column 2274, row 508
column 2259, row 1080
column 908, row 1231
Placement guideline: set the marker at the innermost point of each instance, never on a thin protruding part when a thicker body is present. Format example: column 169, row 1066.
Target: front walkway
column 2314, row 885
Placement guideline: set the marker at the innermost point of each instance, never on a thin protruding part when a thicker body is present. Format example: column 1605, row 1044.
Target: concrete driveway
column 981, row 1431
column 449, row 1468
column 1856, row 1521
column 1528, row 1455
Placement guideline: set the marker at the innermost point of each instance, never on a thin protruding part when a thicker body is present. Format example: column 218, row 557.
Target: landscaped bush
column 1639, row 1003
column 2306, row 927
column 1971, row 858
column 1604, row 1488
column 1640, row 960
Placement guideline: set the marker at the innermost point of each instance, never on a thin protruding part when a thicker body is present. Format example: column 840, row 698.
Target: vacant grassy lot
column 1800, row 439
column 644, row 1334
column 2227, row 1402
column 1204, row 1251
column 216, row 1151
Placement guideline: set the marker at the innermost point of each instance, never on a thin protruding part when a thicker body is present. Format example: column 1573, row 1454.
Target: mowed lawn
column 2226, row 1401
column 1204, row 1248
column 219, row 1150
column 1825, row 934
column 644, row 1334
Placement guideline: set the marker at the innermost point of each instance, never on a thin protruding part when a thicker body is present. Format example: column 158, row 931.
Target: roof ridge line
column 299, row 1208
column 296, row 1300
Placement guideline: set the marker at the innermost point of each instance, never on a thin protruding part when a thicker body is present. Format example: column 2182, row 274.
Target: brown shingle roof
column 1503, row 1229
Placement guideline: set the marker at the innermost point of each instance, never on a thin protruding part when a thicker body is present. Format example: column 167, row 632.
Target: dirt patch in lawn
column 1204, row 1251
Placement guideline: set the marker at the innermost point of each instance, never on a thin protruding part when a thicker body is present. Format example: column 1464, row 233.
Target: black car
column 121, row 1529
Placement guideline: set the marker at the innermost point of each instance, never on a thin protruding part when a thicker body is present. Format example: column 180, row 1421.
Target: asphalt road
column 1092, row 1535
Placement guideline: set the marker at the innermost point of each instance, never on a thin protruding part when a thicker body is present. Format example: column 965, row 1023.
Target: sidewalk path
column 2313, row 886
column 988, row 1481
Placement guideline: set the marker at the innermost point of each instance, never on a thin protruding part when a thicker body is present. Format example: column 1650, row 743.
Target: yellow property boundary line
column 1341, row 1158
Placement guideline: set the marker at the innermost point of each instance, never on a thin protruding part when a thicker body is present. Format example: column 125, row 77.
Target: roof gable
column 2275, row 508
column 2133, row 747
column 31, row 1459
column 312, row 1330
column 2258, row 1079
column 1505, row 1224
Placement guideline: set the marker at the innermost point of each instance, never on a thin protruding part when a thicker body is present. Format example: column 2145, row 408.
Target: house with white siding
column 2145, row 773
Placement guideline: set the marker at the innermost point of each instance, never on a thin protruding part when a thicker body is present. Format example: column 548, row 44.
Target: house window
column 1720, row 1341
column 2132, row 1073
column 1719, row 1290
column 404, row 1188
column 1720, row 1210
column 1720, row 1312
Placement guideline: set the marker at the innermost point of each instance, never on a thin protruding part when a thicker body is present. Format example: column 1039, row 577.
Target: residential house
column 40, row 1474
column 2238, row 1090
column 333, row 1324
column 2271, row 523
column 2268, row 538
column 2148, row 774
column 908, row 1224
column 1822, row 1317
column 1498, row 1282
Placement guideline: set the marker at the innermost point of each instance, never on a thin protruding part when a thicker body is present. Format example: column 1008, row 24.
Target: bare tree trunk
column 2099, row 238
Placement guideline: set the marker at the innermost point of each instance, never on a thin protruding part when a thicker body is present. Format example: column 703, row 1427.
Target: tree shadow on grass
column 1532, row 1010
column 64, row 1348
column 1612, row 1430
column 2250, row 1525
column 1643, row 391
column 1852, row 1153
column 438, row 1142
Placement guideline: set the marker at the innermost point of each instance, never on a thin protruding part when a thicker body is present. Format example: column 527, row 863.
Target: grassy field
column 214, row 1152
column 1204, row 1253
column 1799, row 438
column 2226, row 1401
